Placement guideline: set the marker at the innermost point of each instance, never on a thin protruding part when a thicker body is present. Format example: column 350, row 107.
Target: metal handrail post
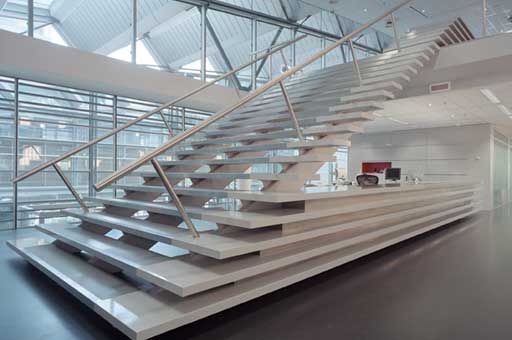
column 115, row 152
column 270, row 70
column 356, row 64
column 395, row 31
column 233, row 81
column 292, row 111
column 183, row 119
column 16, row 151
column 484, row 18
column 283, row 57
column 68, row 184
column 177, row 202
column 165, row 122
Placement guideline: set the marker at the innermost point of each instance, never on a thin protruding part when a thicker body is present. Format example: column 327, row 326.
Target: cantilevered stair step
column 257, row 196
column 274, row 126
column 360, row 106
column 372, row 74
column 311, row 86
column 308, row 144
column 224, row 176
column 132, row 259
column 393, row 85
column 285, row 116
column 285, row 134
column 244, row 219
column 327, row 100
column 185, row 275
column 241, row 219
column 364, row 96
column 399, row 75
column 250, row 160
column 416, row 57
column 320, row 96
column 324, row 93
column 163, row 271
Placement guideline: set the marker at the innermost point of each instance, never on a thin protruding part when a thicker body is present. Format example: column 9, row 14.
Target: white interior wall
column 438, row 154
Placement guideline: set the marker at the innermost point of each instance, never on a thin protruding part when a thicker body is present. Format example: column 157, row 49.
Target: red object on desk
column 376, row 167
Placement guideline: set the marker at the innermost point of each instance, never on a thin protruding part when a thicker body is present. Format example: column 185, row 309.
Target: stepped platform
column 224, row 269
column 133, row 259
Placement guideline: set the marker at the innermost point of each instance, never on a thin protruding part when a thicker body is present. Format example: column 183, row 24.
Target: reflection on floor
column 453, row 283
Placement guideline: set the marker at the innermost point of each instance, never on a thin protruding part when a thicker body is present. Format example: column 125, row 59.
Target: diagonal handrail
column 252, row 95
column 150, row 113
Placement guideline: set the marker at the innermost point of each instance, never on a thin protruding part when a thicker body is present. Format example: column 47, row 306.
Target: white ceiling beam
column 145, row 26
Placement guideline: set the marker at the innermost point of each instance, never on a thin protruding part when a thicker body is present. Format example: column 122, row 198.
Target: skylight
column 49, row 33
column 144, row 57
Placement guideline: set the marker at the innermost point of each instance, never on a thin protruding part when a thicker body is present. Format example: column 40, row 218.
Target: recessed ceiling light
column 490, row 95
column 429, row 104
column 365, row 10
column 505, row 110
column 452, row 116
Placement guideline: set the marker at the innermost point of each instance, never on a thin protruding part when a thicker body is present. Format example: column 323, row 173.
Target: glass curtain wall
column 52, row 120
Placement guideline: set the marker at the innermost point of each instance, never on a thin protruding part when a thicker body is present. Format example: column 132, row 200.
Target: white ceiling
column 452, row 108
column 423, row 12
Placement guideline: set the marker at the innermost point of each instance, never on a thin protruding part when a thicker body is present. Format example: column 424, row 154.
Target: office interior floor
column 453, row 283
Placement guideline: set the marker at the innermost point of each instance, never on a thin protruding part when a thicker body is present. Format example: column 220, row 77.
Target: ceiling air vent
column 440, row 87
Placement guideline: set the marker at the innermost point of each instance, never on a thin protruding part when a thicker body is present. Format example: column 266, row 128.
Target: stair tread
column 305, row 110
column 304, row 122
column 284, row 145
column 223, row 175
column 247, row 160
column 261, row 218
column 243, row 219
column 308, row 193
column 148, row 313
column 271, row 119
column 188, row 274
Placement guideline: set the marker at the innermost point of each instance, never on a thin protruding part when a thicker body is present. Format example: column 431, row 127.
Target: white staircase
column 277, row 235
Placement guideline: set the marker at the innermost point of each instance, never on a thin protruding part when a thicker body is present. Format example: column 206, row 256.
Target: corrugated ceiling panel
column 95, row 22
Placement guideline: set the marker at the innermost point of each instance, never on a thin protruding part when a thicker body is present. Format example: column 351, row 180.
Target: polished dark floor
column 453, row 283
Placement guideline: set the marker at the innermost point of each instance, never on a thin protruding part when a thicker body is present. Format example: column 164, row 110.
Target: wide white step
column 314, row 109
column 266, row 136
column 223, row 176
column 308, row 144
column 141, row 314
column 250, row 160
column 188, row 274
column 257, row 219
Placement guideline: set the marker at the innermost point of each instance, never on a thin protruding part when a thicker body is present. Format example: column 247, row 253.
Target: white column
column 30, row 18
column 254, row 49
column 484, row 18
column 134, row 32
column 203, row 43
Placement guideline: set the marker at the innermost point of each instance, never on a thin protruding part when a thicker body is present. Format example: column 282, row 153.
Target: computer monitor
column 393, row 174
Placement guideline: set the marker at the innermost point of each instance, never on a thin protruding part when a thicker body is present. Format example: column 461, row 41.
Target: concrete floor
column 453, row 283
